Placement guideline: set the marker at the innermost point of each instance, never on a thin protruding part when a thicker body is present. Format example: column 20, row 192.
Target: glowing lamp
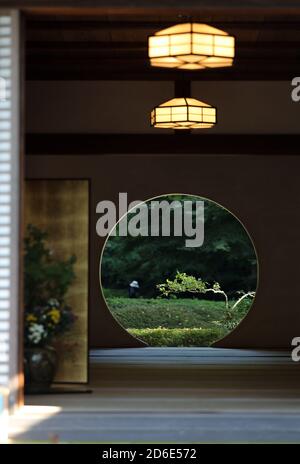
column 184, row 113
column 191, row 46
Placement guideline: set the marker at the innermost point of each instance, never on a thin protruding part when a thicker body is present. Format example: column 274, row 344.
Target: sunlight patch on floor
column 29, row 417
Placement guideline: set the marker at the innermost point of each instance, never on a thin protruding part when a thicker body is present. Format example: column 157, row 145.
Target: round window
column 179, row 270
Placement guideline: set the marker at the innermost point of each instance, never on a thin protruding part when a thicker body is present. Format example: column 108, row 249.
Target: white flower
column 53, row 302
column 36, row 333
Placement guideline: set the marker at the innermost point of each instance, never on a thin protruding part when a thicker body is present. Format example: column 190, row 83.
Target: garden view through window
column 168, row 294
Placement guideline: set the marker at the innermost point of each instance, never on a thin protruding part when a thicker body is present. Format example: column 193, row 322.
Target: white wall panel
column 9, row 199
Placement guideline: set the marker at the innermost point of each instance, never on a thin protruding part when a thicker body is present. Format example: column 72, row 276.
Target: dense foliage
column 227, row 256
column 46, row 281
column 45, row 276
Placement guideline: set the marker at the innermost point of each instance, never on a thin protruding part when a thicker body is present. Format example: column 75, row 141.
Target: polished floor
column 172, row 395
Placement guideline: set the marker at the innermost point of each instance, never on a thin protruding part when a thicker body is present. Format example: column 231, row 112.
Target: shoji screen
column 9, row 201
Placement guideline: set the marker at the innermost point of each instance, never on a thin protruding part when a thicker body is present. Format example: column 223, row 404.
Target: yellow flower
column 55, row 315
column 31, row 318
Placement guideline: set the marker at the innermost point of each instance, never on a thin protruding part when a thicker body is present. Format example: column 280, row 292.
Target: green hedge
column 150, row 313
column 178, row 337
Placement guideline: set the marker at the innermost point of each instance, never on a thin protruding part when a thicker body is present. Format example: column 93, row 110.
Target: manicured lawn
column 143, row 313
column 172, row 322
column 178, row 337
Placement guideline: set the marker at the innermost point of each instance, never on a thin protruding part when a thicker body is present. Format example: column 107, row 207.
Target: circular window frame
column 218, row 341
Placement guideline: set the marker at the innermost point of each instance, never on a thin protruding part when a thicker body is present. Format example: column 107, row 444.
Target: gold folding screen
column 61, row 207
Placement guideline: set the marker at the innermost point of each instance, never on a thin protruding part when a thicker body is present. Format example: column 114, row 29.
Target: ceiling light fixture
column 191, row 46
column 184, row 113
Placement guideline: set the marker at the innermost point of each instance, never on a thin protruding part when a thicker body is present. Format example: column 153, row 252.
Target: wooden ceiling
column 110, row 46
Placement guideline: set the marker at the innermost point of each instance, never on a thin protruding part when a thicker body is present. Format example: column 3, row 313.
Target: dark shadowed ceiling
column 114, row 46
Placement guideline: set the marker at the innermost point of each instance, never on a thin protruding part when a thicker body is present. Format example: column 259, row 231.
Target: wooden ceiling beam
column 88, row 25
column 96, row 73
column 199, row 144
column 196, row 5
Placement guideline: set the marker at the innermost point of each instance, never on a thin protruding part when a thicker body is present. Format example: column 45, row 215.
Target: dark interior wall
column 254, row 176
column 263, row 191
column 245, row 107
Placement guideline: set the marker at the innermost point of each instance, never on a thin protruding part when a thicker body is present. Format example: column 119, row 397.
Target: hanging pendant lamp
column 184, row 113
column 191, row 46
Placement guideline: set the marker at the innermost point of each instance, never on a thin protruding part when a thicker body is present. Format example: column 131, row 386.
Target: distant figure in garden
column 134, row 289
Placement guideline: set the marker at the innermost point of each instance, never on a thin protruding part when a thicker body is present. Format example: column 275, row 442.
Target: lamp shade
column 184, row 113
column 191, row 46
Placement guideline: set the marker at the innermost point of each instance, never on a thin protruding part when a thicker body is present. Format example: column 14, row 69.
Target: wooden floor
column 173, row 395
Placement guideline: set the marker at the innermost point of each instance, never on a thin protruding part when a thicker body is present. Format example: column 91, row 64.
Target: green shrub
column 178, row 337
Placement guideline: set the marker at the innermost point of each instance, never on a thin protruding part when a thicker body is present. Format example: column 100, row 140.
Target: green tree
column 227, row 255
column 184, row 283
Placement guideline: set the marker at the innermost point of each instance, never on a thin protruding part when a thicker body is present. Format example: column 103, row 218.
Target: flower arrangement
column 47, row 280
column 44, row 323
